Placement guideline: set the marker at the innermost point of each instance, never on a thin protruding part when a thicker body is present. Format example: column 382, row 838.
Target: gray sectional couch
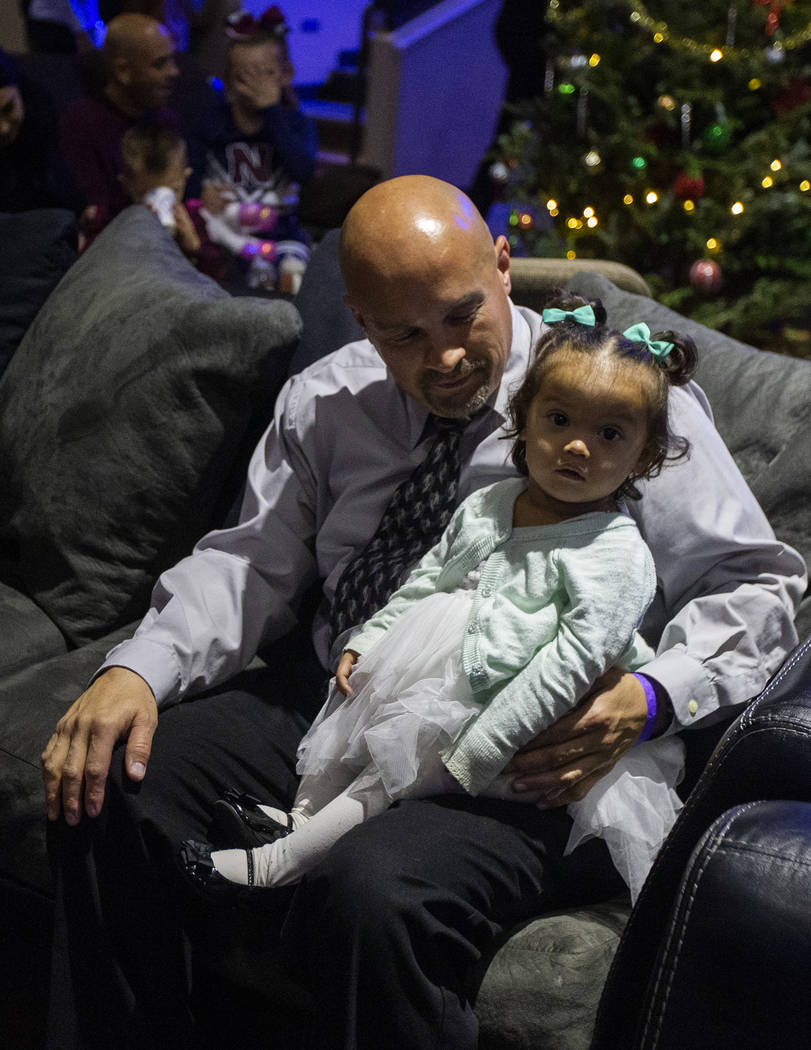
column 126, row 417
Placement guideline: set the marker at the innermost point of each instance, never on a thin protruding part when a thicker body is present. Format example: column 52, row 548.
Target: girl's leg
column 314, row 792
column 284, row 861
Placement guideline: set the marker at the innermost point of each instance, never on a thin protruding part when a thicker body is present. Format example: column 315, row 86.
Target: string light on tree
column 661, row 31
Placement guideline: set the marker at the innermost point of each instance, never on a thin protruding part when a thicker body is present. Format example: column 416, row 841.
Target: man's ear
column 121, row 71
column 502, row 250
column 355, row 312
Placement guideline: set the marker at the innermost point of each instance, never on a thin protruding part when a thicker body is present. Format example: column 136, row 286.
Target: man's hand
column 345, row 665
column 77, row 758
column 565, row 761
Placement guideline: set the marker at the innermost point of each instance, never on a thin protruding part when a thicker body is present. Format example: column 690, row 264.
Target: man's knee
column 390, row 881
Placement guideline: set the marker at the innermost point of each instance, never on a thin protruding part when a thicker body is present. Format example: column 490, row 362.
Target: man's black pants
column 384, row 935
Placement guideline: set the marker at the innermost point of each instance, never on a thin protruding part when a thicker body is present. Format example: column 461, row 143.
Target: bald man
column 386, row 931
column 140, row 73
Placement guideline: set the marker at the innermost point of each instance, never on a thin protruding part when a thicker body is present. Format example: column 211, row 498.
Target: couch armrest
column 531, row 277
column 762, row 757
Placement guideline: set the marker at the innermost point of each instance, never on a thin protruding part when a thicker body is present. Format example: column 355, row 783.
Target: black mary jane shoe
column 196, row 864
column 237, row 820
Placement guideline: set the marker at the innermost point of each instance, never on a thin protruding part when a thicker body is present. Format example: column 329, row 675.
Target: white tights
column 324, row 810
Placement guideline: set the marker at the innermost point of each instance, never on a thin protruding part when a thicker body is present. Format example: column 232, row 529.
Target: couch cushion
column 123, row 416
column 31, row 703
column 328, row 322
column 542, row 987
column 28, row 635
column 762, row 407
column 38, row 247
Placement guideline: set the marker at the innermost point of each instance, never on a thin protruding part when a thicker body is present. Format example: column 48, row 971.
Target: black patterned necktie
column 413, row 521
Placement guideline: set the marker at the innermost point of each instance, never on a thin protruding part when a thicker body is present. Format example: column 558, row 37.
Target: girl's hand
column 187, row 238
column 215, row 196
column 263, row 89
column 345, row 665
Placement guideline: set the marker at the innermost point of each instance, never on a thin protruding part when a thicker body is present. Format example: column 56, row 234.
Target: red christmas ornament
column 775, row 10
column 705, row 276
column 687, row 188
column 796, row 94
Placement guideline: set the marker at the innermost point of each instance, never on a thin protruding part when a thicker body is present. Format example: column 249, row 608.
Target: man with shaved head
column 386, row 931
column 140, row 73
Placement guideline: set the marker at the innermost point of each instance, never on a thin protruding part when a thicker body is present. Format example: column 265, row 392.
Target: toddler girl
column 154, row 170
column 254, row 146
column 535, row 589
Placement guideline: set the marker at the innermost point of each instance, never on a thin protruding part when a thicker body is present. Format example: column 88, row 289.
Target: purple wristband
column 650, row 700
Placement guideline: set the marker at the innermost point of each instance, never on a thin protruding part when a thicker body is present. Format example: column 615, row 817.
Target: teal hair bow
column 583, row 315
column 640, row 333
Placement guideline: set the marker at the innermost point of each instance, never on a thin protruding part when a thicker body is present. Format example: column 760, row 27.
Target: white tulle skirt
column 412, row 700
column 633, row 807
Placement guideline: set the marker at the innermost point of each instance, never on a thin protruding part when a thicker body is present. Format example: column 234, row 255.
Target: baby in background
column 154, row 172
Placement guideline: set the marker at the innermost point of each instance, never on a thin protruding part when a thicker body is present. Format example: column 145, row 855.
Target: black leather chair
column 717, row 951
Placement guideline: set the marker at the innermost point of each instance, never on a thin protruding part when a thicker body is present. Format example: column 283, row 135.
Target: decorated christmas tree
column 676, row 138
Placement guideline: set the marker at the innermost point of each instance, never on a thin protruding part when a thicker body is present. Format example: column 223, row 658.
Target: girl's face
column 586, row 431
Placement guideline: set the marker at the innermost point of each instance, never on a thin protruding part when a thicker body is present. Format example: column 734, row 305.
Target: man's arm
column 728, row 590
column 78, row 146
column 723, row 612
column 209, row 615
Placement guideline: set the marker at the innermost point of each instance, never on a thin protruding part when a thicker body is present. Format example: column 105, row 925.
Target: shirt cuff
column 156, row 664
column 688, row 687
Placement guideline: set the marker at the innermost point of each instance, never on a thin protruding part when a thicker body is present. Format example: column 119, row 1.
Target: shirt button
column 692, row 707
column 471, row 628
